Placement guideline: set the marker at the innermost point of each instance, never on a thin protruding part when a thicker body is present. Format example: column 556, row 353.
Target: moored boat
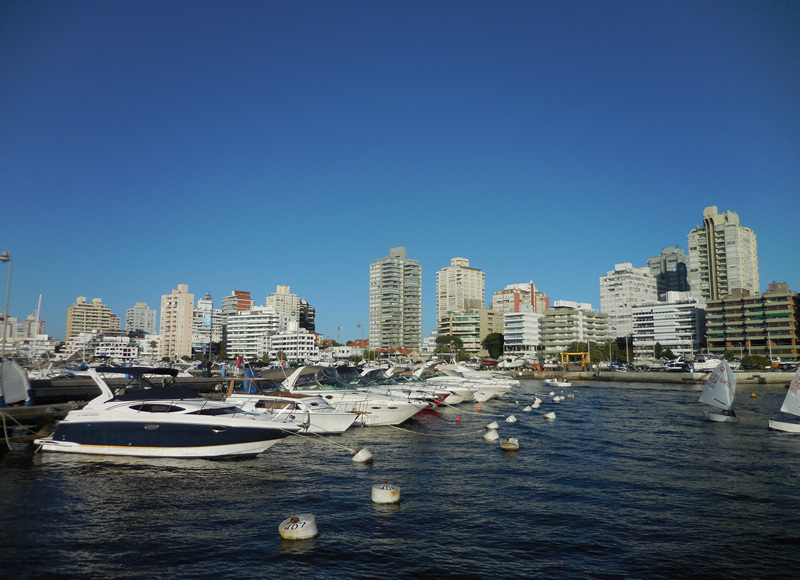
column 145, row 420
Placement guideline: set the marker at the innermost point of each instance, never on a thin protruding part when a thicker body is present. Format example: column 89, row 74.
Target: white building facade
column 678, row 323
column 522, row 333
column 620, row 290
column 248, row 332
column 141, row 318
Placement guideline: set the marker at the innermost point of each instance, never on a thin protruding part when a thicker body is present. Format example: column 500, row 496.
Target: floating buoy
column 528, row 408
column 491, row 435
column 511, row 419
column 363, row 456
column 385, row 493
column 479, row 409
column 571, row 396
column 550, row 415
column 552, row 393
column 299, row 527
column 510, row 444
column 458, row 419
column 536, row 404
column 752, row 395
column 493, row 425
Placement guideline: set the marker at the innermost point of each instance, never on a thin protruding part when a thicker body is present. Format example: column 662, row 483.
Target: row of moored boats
column 153, row 416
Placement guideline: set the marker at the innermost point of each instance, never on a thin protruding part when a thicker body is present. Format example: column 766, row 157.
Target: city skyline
column 153, row 144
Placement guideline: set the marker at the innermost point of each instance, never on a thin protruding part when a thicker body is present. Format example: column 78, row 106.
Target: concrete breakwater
column 742, row 377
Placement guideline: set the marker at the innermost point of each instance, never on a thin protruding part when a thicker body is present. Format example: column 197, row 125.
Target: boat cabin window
column 157, row 408
column 214, row 411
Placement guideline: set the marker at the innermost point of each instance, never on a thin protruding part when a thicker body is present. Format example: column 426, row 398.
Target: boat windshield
column 326, row 379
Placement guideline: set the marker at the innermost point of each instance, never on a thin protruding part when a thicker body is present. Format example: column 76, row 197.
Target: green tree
column 447, row 343
column 493, row 343
column 463, row 355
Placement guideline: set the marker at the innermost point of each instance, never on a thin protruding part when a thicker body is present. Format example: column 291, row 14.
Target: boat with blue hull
column 145, row 420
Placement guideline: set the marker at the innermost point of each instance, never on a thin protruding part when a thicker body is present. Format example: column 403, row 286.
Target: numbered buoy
column 491, row 435
column 551, row 415
column 511, row 419
column 299, row 527
column 510, row 444
column 385, row 493
column 363, row 456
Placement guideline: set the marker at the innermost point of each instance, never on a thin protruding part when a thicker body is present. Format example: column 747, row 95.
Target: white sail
column 791, row 404
column 720, row 388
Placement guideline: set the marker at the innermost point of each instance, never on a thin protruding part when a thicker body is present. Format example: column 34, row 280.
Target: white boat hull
column 719, row 417
column 234, row 450
column 784, row 427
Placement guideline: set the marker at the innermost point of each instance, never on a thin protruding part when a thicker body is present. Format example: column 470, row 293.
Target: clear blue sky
column 240, row 145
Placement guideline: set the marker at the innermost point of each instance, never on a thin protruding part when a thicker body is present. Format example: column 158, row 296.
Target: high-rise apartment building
column 207, row 325
column 723, row 256
column 141, row 318
column 177, row 309
column 670, row 269
column 249, row 332
column 620, row 290
column 294, row 306
column 91, row 316
column 520, row 298
column 238, row 301
column 458, row 286
column 472, row 325
column 395, row 302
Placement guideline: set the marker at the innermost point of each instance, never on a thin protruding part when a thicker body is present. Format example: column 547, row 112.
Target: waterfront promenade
column 742, row 377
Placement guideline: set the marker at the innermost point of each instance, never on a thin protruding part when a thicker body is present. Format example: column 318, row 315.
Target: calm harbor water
column 628, row 481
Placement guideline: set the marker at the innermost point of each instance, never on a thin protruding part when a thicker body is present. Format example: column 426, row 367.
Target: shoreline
column 742, row 377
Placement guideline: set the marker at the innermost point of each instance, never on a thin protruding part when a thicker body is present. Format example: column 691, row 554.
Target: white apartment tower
column 723, row 256
column 142, row 318
column 293, row 306
column 207, row 324
column 395, row 302
column 458, row 286
column 622, row 289
column 676, row 323
column 177, row 309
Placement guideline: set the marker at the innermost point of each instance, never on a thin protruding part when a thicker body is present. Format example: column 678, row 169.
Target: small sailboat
column 719, row 392
column 791, row 405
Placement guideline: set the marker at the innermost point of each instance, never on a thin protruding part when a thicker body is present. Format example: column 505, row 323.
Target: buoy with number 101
column 385, row 493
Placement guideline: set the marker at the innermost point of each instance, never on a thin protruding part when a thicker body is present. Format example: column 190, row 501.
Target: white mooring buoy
column 491, row 435
column 493, row 425
column 550, row 415
column 363, row 456
column 510, row 444
column 385, row 493
column 528, row 408
column 299, row 527
column 511, row 419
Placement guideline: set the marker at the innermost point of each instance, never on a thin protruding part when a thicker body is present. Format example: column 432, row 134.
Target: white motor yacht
column 373, row 409
column 145, row 420
column 311, row 412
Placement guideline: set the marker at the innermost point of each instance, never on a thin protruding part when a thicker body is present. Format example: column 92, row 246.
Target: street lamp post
column 6, row 257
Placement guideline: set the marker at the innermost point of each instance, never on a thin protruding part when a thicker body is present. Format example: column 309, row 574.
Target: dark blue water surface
column 628, row 481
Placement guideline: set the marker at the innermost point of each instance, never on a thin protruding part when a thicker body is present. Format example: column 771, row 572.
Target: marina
column 626, row 481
